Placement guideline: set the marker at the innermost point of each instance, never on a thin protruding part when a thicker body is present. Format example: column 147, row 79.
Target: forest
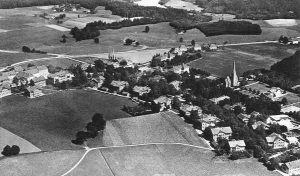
column 254, row 9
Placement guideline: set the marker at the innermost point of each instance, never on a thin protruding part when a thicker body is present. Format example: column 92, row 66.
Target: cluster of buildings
column 33, row 78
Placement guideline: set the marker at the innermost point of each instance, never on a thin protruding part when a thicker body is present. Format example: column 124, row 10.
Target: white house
column 39, row 81
column 275, row 93
column 141, row 90
column 290, row 109
column 33, row 92
column 217, row 100
column 283, row 120
column 60, row 77
column 118, row 85
column 244, row 117
column 208, row 121
column 291, row 168
column 237, row 145
column 164, row 102
column 187, row 109
column 222, row 132
column 276, row 141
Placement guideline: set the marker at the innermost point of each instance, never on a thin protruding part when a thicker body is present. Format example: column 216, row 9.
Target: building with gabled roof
column 98, row 81
column 118, row 85
column 10, row 74
column 60, row 77
column 187, row 109
column 176, row 84
column 141, row 90
column 291, row 168
column 164, row 102
column 5, row 90
column 179, row 69
column 207, row 120
column 290, row 109
column 276, row 141
column 218, row 99
column 238, row 145
column 282, row 119
column 260, row 123
column 221, row 132
column 244, row 117
column 33, row 92
column 39, row 81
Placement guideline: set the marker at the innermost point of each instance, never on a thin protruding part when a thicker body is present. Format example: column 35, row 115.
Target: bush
column 10, row 151
column 26, row 49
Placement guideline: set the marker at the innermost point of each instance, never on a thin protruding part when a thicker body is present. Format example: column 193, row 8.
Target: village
column 167, row 83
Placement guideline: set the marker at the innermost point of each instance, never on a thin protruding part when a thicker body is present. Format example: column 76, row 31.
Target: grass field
column 148, row 160
column 40, row 164
column 7, row 59
column 155, row 128
column 220, row 63
column 58, row 117
column 56, row 62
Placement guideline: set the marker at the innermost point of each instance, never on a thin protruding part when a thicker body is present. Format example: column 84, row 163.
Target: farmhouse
column 237, row 145
column 221, row 132
column 291, row 168
column 33, row 92
column 180, row 69
column 187, row 109
column 244, row 117
column 217, row 100
column 5, row 90
column 39, row 81
column 118, row 85
column 283, row 120
column 276, row 141
column 60, row 77
column 98, row 81
column 260, row 124
column 141, row 90
column 164, row 102
column 208, row 121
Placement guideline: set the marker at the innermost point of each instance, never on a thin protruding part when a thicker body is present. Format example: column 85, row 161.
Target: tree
column 147, row 29
column 31, row 83
column 155, row 107
column 207, row 134
column 63, row 40
column 96, row 40
column 237, row 110
column 284, row 101
column 180, row 39
column 98, row 121
column 26, row 49
column 123, row 63
column 176, row 103
column 9, row 151
column 193, row 42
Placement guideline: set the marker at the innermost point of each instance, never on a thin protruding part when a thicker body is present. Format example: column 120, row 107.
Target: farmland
column 148, row 160
column 7, row 59
column 57, row 117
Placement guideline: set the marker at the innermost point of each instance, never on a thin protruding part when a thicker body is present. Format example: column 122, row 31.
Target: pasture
column 7, row 59
column 220, row 63
column 56, row 62
column 148, row 160
column 57, row 117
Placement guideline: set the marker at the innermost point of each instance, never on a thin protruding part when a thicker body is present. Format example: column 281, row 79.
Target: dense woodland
column 254, row 9
column 289, row 66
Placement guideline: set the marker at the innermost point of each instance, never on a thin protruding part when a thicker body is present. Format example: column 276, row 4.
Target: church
column 232, row 81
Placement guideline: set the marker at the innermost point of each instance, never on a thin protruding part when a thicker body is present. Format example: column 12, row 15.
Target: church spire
column 235, row 81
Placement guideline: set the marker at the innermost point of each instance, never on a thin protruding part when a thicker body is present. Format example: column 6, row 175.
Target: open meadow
column 57, row 117
column 148, row 160
column 7, row 59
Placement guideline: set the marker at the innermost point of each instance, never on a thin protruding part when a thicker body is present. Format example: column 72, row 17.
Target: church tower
column 235, row 80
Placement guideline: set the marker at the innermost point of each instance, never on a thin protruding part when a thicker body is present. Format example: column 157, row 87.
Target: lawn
column 220, row 63
column 50, row 122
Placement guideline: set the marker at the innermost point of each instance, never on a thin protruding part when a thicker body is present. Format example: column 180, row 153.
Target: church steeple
column 235, row 80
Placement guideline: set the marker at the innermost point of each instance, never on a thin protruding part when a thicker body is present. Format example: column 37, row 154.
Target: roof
column 18, row 68
column 141, row 89
column 162, row 99
column 279, row 117
column 243, row 116
column 217, row 130
column 9, row 73
column 38, row 79
column 216, row 100
column 272, row 137
column 32, row 71
column 32, row 88
column 61, row 73
column 98, row 79
column 290, row 109
column 208, row 118
column 119, row 83
column 23, row 74
column 259, row 123
column 187, row 107
column 239, row 143
column 293, row 164
column 42, row 67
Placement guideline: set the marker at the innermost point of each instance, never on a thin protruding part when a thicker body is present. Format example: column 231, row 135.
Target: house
column 221, row 132
column 10, row 74
column 208, row 121
column 283, row 120
column 84, row 66
column 187, row 109
column 127, row 94
column 290, row 134
column 213, row 47
column 290, row 109
column 275, row 93
column 236, row 146
column 5, row 90
column 217, row 100
column 164, row 102
column 24, row 76
column 276, row 141
column 197, row 47
column 33, row 92
column 292, row 141
column 118, row 85
column 39, row 81
column 98, row 81
column 180, row 69
column 60, row 77
column 291, row 168
column 43, row 71
column 260, row 123
column 141, row 90
column 104, row 89
column 18, row 68
column 244, row 117
column 33, row 71
column 176, row 84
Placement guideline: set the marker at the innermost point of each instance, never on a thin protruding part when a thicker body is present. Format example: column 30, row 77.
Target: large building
column 221, row 132
column 236, row 146
column 276, row 141
column 291, row 168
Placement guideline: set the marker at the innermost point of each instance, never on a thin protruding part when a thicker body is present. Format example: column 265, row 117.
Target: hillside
column 254, row 9
column 289, row 66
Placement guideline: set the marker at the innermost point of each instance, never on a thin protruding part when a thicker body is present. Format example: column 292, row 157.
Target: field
column 8, row 138
column 148, row 160
column 155, row 128
column 57, row 117
column 7, row 59
column 283, row 22
column 56, row 62
column 179, row 4
column 44, row 163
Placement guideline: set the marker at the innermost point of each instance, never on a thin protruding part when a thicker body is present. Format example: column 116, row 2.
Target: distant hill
column 254, row 9
column 289, row 66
